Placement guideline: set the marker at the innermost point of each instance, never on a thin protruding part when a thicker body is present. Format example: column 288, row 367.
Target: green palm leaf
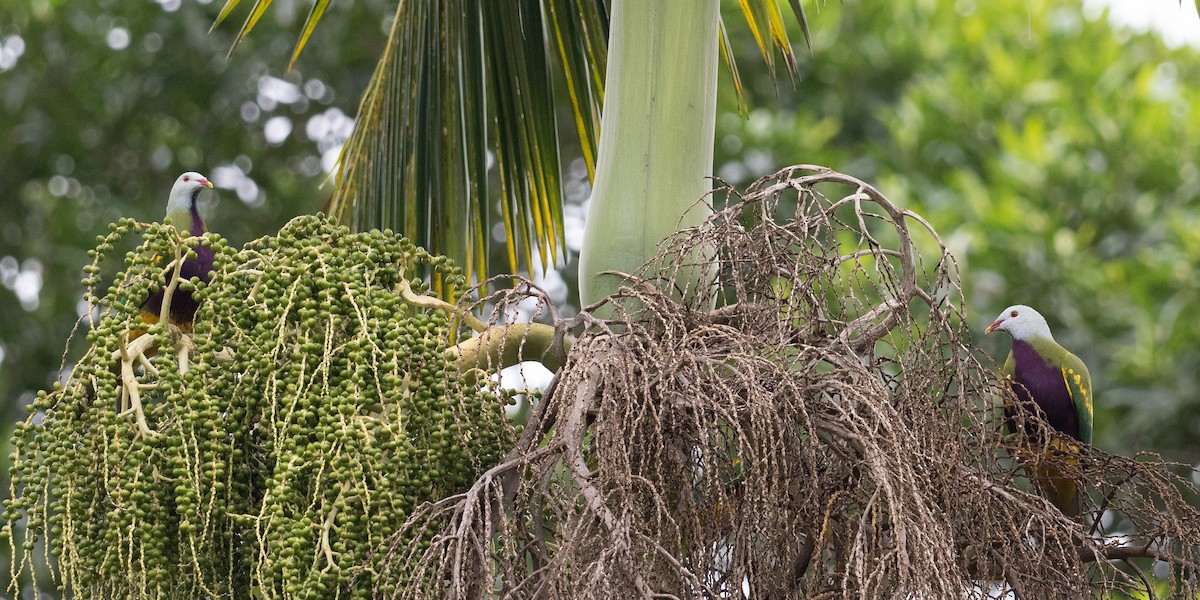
column 310, row 23
column 460, row 78
column 457, row 79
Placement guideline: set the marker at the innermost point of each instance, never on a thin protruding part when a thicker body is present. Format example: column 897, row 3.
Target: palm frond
column 256, row 13
column 727, row 54
column 465, row 86
column 458, row 78
column 802, row 19
column 310, row 23
column 221, row 16
column 580, row 33
column 766, row 24
column 760, row 14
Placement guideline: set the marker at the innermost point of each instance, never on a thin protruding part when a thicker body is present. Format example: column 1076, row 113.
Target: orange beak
column 992, row 327
column 206, row 183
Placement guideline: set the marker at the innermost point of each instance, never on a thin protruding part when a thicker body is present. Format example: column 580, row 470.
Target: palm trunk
column 656, row 140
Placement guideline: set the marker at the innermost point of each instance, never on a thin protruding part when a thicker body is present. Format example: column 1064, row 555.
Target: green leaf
column 251, row 21
column 751, row 10
column 458, row 78
column 727, row 54
column 310, row 23
column 225, row 10
column 802, row 19
column 579, row 29
column 766, row 21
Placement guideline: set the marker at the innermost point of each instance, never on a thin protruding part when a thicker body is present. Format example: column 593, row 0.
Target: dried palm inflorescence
column 825, row 433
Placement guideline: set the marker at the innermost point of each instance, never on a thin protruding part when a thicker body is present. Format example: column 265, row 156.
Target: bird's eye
column 1012, row 314
column 186, row 178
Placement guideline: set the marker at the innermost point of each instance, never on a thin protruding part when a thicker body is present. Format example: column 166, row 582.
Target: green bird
column 1054, row 383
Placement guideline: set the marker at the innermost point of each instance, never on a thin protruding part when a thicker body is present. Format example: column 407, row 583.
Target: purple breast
column 1039, row 384
column 183, row 305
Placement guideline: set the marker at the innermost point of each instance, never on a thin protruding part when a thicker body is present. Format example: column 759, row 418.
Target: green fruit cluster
column 290, row 435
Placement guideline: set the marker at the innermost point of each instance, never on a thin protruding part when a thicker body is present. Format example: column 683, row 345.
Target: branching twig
column 415, row 299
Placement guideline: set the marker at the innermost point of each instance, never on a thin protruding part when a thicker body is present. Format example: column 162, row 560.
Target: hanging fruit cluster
column 269, row 452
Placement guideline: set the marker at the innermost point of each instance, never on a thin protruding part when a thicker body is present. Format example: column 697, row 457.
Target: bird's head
column 1022, row 323
column 183, row 196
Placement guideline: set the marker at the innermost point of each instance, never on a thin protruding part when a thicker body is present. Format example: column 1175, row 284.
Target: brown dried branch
column 827, row 432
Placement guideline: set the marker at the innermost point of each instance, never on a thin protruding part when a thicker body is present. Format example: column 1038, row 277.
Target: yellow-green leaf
column 310, row 23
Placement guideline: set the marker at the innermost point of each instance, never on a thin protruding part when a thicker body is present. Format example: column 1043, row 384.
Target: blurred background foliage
column 1056, row 155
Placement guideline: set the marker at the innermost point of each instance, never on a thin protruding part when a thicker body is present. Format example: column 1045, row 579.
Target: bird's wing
column 1079, row 385
column 1008, row 371
column 1010, row 366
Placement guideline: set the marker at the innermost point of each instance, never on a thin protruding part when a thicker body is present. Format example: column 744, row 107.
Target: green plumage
column 1079, row 389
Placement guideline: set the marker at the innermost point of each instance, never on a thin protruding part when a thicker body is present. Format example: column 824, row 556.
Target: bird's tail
column 1055, row 475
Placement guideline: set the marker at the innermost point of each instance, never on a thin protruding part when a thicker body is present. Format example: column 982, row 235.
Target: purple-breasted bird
column 184, row 214
column 1045, row 374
